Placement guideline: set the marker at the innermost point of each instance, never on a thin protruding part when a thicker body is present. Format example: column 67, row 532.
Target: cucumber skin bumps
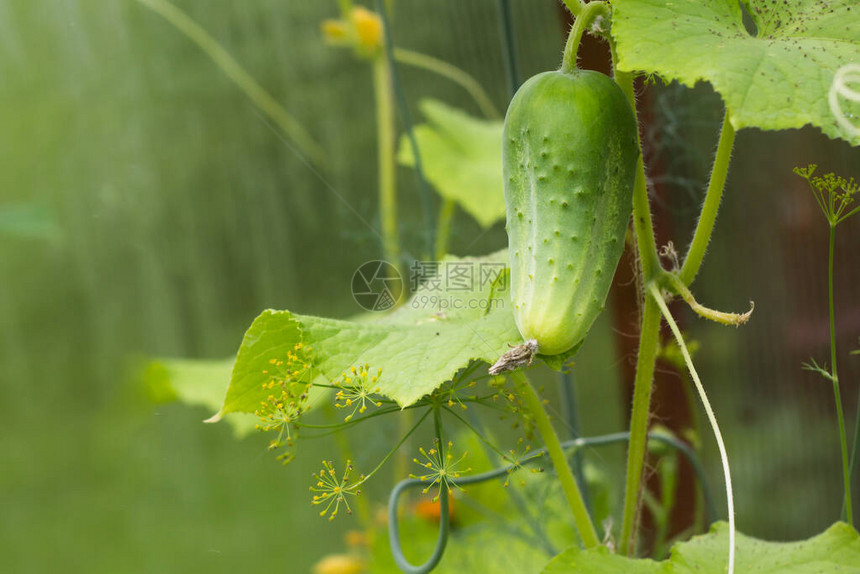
column 569, row 157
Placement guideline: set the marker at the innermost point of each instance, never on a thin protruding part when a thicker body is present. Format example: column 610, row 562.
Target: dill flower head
column 333, row 491
column 441, row 469
column 454, row 393
column 517, row 457
column 356, row 389
column 286, row 386
column 833, row 193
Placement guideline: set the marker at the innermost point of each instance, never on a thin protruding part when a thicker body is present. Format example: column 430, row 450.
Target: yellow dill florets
column 517, row 457
column 356, row 389
column 286, row 386
column 333, row 492
column 442, row 469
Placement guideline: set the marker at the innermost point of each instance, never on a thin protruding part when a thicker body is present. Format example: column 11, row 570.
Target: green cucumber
column 569, row 157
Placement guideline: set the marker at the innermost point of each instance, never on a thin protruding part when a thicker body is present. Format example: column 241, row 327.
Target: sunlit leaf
column 418, row 347
column 835, row 551
column 462, row 158
column 776, row 78
column 599, row 560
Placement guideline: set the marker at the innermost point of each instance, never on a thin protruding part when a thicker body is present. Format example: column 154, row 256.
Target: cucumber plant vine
column 573, row 174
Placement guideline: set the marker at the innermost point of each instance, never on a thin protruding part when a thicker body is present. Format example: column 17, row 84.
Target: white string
column 658, row 297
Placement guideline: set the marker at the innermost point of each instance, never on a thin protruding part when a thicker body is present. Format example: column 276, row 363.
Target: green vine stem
column 847, row 512
column 386, row 136
column 239, row 76
column 834, row 195
column 642, row 224
column 411, row 429
column 650, row 267
column 705, row 227
column 649, row 339
column 852, row 472
column 559, row 460
column 443, row 227
column 575, row 6
column 583, row 19
column 852, row 466
column 649, row 335
column 657, row 297
column 453, row 73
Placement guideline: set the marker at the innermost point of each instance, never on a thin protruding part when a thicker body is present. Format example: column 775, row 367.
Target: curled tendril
column 846, row 85
column 834, row 194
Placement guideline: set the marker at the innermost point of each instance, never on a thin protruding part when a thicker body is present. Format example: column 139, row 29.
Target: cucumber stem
column 553, row 445
column 575, row 6
column 583, row 20
column 714, row 195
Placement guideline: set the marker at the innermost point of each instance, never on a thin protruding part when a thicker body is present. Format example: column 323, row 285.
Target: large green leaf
column 778, row 78
column 835, row 551
column 462, row 158
column 441, row 329
column 599, row 561
column 418, row 347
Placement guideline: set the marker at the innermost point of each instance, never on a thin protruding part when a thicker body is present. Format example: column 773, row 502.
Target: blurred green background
column 148, row 209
